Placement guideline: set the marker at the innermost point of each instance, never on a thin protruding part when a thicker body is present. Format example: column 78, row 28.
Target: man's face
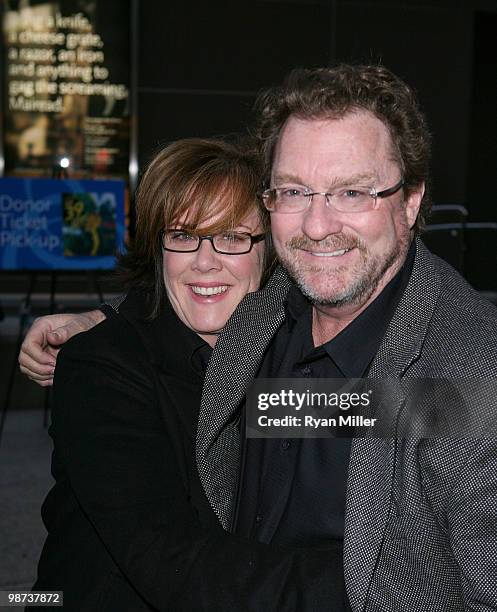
column 339, row 258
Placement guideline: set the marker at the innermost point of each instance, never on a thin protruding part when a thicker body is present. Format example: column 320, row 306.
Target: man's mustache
column 336, row 242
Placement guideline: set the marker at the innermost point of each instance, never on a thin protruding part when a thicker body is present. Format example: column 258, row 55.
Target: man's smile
column 327, row 253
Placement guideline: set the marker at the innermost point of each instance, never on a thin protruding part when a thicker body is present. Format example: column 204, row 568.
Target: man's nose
column 321, row 219
column 206, row 258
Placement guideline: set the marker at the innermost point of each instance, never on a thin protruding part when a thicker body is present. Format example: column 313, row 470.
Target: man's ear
column 413, row 203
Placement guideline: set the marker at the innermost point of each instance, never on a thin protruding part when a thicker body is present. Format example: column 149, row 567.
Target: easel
column 25, row 313
column 59, row 171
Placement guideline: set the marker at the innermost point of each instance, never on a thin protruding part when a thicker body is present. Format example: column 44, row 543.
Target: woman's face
column 205, row 287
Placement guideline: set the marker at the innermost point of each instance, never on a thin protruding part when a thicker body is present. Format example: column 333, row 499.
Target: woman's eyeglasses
column 227, row 243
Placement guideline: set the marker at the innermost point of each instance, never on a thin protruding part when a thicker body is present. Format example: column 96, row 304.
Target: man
column 347, row 154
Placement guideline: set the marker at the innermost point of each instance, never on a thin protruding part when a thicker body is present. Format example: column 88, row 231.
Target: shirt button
column 258, row 519
column 285, row 445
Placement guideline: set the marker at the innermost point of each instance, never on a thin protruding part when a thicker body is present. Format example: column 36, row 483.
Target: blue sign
column 60, row 224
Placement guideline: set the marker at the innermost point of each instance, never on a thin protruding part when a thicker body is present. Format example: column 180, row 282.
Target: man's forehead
column 357, row 138
column 352, row 178
column 360, row 123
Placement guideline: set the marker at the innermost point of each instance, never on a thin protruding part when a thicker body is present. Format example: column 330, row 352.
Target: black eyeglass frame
column 210, row 237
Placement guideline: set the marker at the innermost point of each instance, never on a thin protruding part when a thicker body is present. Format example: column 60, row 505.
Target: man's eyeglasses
column 227, row 243
column 349, row 199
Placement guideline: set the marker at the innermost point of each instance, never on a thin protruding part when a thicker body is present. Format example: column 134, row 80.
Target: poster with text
column 48, row 224
column 66, row 95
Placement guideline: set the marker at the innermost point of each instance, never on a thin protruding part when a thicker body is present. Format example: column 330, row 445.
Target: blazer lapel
column 372, row 461
column 233, row 365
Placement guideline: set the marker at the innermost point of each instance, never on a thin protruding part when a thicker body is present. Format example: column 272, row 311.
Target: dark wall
column 200, row 65
column 482, row 162
column 429, row 45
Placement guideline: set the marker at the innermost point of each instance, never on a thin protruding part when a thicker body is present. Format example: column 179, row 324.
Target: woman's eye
column 182, row 236
column 232, row 237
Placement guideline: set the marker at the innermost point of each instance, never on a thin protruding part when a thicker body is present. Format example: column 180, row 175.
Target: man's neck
column 326, row 325
column 329, row 321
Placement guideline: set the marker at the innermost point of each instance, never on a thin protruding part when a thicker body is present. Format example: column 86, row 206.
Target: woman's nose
column 206, row 257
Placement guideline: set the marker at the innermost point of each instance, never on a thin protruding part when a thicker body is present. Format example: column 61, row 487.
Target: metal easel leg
column 96, row 286
column 48, row 390
column 24, row 313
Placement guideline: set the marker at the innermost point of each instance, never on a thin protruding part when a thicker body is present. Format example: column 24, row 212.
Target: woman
column 129, row 525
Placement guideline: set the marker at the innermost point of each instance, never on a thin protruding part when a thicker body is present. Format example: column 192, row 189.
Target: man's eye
column 292, row 192
column 354, row 193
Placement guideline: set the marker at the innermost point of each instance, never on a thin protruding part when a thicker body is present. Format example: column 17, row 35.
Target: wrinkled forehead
column 358, row 140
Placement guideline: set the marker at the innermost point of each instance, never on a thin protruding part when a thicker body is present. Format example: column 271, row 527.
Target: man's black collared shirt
column 293, row 491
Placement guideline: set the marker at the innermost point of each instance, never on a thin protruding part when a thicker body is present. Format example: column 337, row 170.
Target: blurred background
column 92, row 88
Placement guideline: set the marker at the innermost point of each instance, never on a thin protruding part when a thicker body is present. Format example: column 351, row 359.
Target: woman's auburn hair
column 191, row 181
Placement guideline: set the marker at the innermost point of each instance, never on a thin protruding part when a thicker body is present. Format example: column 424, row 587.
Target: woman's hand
column 38, row 353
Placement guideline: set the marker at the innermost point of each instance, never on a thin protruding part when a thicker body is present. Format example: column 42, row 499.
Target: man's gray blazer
column 421, row 514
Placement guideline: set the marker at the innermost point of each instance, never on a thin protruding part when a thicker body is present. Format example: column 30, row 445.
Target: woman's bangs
column 215, row 205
